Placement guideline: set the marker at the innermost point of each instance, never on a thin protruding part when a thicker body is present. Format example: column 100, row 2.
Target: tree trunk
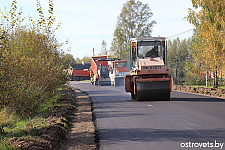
column 175, row 76
column 215, row 79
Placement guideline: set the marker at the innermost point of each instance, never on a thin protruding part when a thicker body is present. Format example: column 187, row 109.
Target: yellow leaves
column 209, row 42
column 39, row 35
column 31, row 59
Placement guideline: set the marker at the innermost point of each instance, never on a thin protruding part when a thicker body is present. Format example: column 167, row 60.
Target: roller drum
column 153, row 90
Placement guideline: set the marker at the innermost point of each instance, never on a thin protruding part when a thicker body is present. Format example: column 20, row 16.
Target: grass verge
column 85, row 81
column 51, row 116
column 219, row 87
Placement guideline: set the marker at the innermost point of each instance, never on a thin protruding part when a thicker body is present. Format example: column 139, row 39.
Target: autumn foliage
column 209, row 37
column 30, row 60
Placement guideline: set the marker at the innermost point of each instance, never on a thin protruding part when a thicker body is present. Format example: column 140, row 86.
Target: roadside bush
column 31, row 60
column 7, row 118
column 194, row 81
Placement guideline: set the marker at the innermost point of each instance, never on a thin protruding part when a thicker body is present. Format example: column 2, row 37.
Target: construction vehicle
column 99, row 65
column 148, row 79
column 80, row 71
column 118, row 70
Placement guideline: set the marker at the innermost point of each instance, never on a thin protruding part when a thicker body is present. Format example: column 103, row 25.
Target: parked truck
column 148, row 79
column 80, row 71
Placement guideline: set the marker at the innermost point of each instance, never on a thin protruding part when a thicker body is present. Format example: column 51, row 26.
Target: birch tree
column 133, row 21
column 209, row 41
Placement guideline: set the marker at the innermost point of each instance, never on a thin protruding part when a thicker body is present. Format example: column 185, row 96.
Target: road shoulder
column 200, row 91
column 82, row 132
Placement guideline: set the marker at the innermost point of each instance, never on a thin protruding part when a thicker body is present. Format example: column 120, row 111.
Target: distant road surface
column 187, row 121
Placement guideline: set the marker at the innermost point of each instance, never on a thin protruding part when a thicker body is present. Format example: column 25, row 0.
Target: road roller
column 149, row 79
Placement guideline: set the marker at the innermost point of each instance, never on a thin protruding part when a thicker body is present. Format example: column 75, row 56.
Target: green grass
column 15, row 125
column 17, row 129
column 219, row 87
column 85, row 81
column 4, row 145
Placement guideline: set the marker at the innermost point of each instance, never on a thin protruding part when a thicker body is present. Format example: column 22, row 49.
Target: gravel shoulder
column 82, row 132
column 200, row 90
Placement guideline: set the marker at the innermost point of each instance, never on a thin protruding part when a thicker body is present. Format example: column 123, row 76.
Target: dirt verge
column 201, row 90
column 82, row 132
column 70, row 126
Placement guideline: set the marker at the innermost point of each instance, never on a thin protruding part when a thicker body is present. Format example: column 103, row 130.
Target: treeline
column 190, row 60
column 85, row 59
column 31, row 60
column 201, row 60
column 178, row 54
column 208, row 48
column 180, row 58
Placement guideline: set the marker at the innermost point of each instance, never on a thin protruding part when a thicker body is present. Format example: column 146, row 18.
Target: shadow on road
column 148, row 135
column 198, row 99
column 191, row 97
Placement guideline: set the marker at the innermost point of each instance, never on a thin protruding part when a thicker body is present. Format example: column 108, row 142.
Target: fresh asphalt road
column 187, row 120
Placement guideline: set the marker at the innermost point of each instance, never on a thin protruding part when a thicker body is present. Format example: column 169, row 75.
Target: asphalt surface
column 187, row 121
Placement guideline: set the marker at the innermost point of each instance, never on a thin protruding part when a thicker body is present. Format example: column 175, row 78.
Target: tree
column 209, row 41
column 133, row 21
column 31, row 64
column 178, row 52
column 68, row 59
column 86, row 59
column 103, row 49
column 78, row 60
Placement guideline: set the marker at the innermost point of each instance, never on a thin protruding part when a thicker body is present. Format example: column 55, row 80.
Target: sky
column 85, row 23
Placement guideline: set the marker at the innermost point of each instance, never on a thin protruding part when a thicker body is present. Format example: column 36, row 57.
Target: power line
column 180, row 33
